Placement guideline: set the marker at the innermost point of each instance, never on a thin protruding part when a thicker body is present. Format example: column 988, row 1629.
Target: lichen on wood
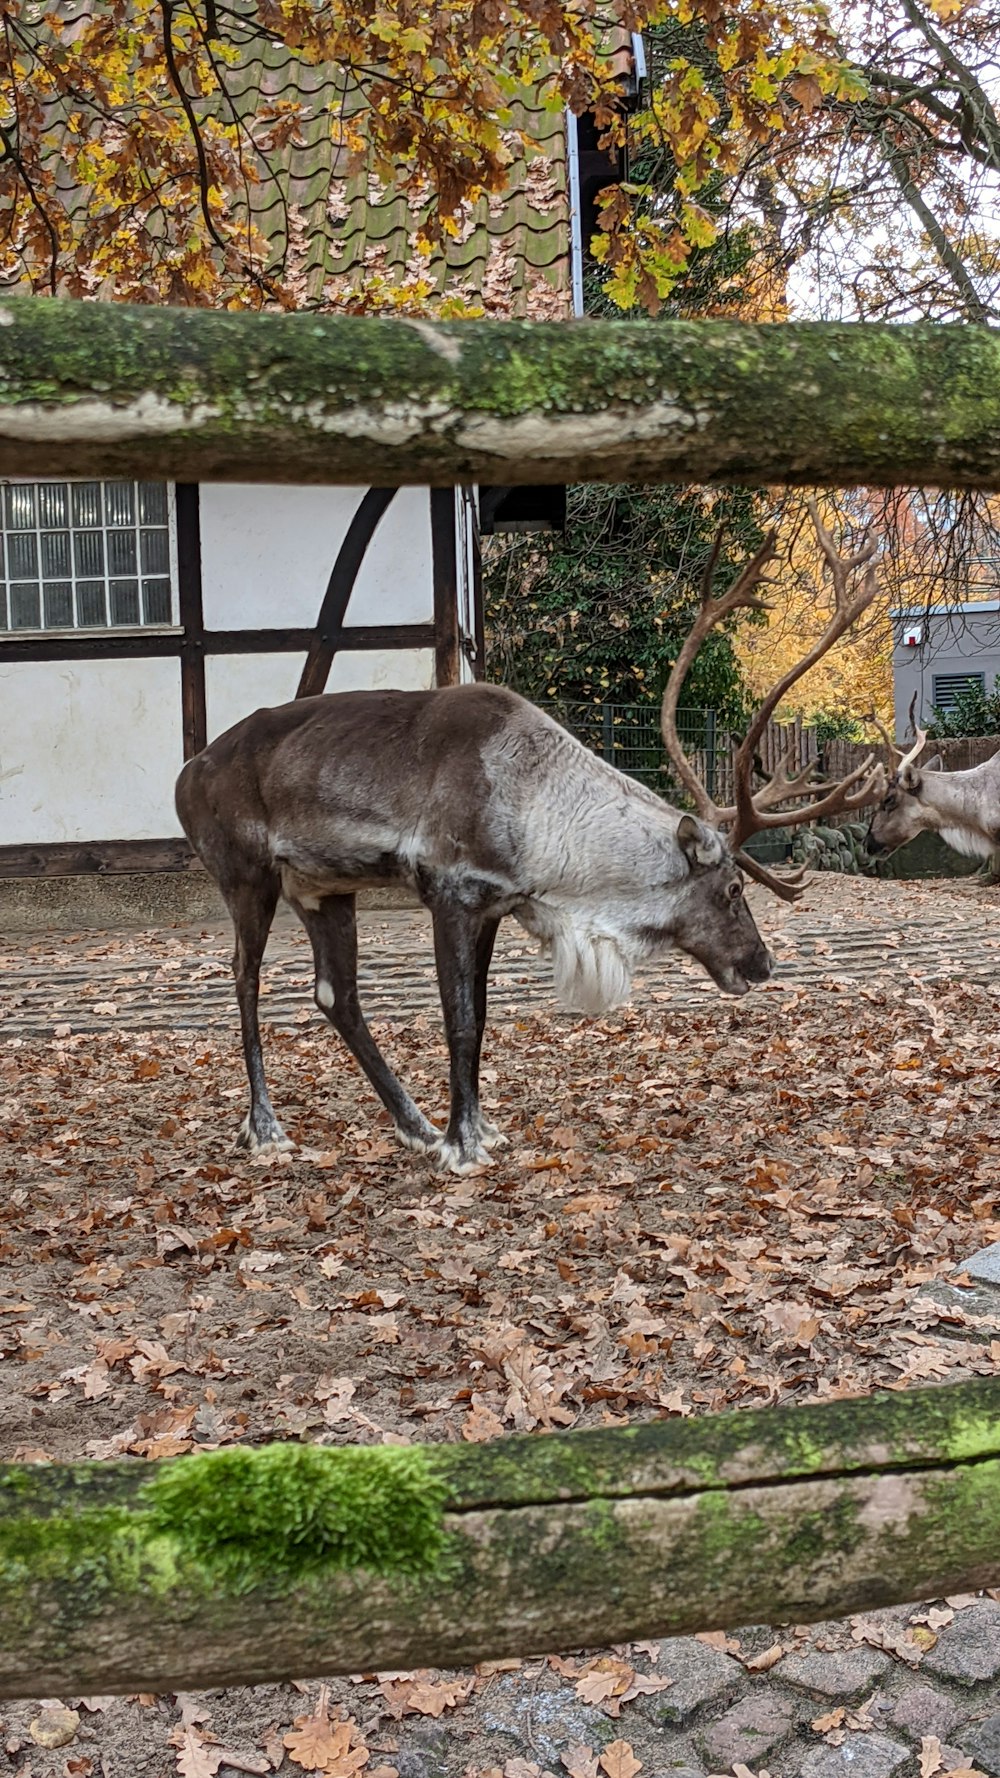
column 102, row 389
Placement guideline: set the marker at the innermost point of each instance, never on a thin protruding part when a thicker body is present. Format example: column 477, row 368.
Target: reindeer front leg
column 463, row 946
column 333, row 934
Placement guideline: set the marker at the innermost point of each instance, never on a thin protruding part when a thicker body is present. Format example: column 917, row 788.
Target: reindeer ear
column 933, row 765
column 699, row 845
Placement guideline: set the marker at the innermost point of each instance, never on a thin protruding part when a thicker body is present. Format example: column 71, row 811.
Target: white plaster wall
column 267, row 552
column 89, row 750
column 235, row 685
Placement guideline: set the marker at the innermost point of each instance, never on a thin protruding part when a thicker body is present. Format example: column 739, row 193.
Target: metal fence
column 628, row 735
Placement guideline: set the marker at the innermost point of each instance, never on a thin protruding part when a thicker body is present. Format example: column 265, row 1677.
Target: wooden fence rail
column 100, row 389
column 244, row 1565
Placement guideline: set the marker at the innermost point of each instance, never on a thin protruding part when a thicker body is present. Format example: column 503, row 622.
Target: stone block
column 924, row 1711
column 677, row 1772
column 968, row 1649
column 863, row 1756
column 954, row 1760
column 981, row 1742
column 979, row 1302
column 700, row 1675
column 548, row 1719
column 749, row 1732
column 845, row 1675
column 984, row 1265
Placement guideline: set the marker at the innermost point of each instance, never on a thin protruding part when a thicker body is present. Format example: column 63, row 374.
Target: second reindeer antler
column 754, row 811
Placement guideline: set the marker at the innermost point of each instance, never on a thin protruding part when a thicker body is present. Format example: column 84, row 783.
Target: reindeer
column 963, row 807
column 485, row 807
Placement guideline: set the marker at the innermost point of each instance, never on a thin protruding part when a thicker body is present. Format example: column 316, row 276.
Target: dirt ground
column 703, row 1205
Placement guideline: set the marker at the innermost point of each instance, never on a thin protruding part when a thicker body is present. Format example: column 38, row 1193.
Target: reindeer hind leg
column 333, row 934
column 252, row 903
column 489, row 1135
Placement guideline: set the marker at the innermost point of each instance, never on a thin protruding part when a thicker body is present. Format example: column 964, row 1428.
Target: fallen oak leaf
column 644, row 1685
column 580, row 1761
column 763, row 1663
column 55, row 1726
column 618, row 1760
column 420, row 1695
column 196, row 1757
column 903, row 1645
column 935, row 1617
column 320, row 1745
column 930, row 1756
column 718, row 1639
column 605, row 1682
column 568, row 1669
column 481, row 1424
column 833, row 1720
column 924, row 1638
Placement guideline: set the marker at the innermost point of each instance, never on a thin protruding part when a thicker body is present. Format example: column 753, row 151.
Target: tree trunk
column 245, row 1565
column 99, row 389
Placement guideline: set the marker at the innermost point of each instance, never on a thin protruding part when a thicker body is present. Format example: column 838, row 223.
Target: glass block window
column 86, row 555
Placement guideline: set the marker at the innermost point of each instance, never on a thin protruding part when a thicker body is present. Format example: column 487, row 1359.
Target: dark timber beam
column 101, row 389
column 343, row 575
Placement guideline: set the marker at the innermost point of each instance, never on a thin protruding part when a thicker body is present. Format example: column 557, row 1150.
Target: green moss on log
column 887, row 1430
column 290, row 1510
column 228, row 1520
column 95, row 388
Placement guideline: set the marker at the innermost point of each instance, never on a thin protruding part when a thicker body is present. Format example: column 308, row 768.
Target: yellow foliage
column 136, row 150
column 855, row 678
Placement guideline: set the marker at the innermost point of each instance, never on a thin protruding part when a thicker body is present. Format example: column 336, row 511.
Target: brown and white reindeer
column 963, row 807
column 485, row 807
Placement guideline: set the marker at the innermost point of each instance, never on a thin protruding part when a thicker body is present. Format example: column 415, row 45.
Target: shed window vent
column 949, row 687
column 86, row 555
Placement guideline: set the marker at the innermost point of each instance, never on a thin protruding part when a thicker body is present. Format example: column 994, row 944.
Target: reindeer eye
column 735, row 889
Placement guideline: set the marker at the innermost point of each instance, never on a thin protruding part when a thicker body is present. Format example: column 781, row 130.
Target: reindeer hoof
column 490, row 1136
column 463, row 1157
column 272, row 1140
column 419, row 1141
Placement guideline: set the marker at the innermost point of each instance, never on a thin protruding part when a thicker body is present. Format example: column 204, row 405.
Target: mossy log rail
column 100, row 389
column 243, row 1565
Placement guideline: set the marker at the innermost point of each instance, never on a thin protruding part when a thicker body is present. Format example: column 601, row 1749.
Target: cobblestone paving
column 883, row 1696
column 847, row 930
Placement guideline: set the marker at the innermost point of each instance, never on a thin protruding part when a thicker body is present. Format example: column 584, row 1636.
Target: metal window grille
column 87, row 555
column 628, row 736
column 949, row 687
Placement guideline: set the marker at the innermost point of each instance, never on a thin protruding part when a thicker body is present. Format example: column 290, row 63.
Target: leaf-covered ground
column 699, row 1208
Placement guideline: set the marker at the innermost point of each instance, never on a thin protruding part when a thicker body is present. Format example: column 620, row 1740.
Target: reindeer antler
column 714, row 607
column 920, row 738
column 754, row 812
column 903, row 757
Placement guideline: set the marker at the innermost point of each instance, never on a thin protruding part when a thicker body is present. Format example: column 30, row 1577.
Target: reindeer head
column 900, row 815
column 712, row 922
